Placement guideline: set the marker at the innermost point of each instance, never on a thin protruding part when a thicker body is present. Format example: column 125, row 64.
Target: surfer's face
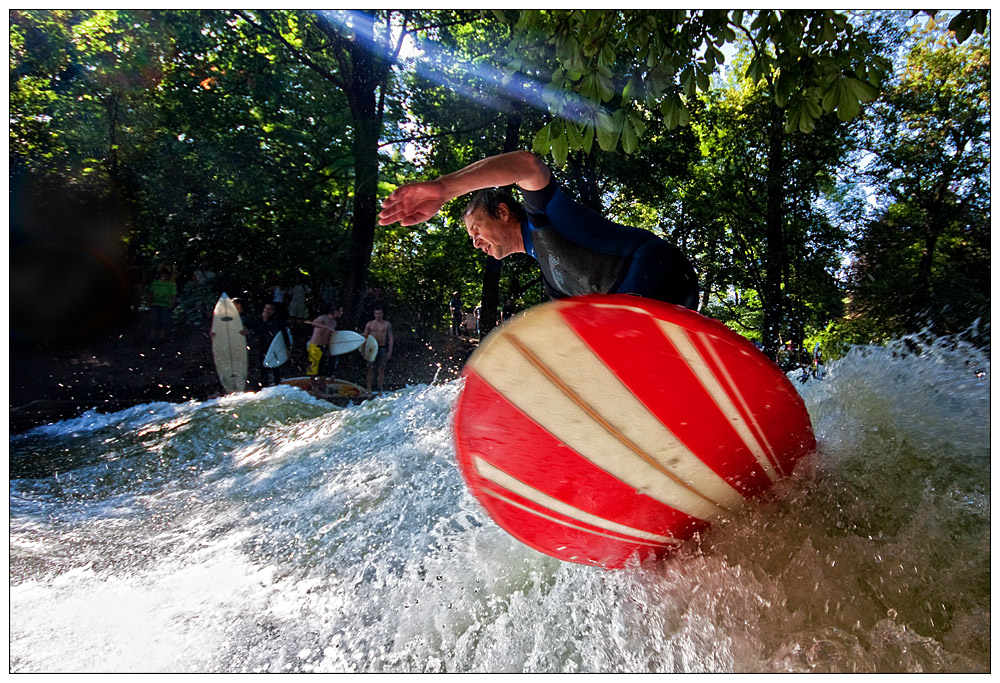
column 497, row 236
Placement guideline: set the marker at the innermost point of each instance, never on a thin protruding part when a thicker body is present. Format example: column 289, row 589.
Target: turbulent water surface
column 274, row 532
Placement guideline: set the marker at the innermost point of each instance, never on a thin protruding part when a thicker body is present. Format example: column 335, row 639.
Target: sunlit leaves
column 674, row 112
column 816, row 63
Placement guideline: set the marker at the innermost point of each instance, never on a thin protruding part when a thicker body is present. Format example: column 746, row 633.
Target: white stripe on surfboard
column 505, row 481
column 734, row 390
column 762, row 451
column 680, row 339
column 610, row 426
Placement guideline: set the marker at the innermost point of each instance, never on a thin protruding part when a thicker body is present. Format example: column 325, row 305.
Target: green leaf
column 607, row 56
column 685, row 116
column 674, row 112
column 607, row 132
column 574, row 136
column 848, row 106
column 635, row 120
column 541, row 144
column 801, row 117
column 606, row 86
column 833, row 95
column 560, row 148
column 688, row 82
column 703, row 80
column 629, row 138
column 588, row 139
column 865, row 92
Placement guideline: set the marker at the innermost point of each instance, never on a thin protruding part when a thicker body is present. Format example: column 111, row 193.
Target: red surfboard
column 607, row 429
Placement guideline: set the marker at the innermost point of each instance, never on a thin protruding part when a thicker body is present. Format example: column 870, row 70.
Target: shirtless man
column 382, row 331
column 324, row 326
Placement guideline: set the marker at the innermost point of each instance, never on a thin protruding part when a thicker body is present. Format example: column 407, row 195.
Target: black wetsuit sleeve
column 535, row 201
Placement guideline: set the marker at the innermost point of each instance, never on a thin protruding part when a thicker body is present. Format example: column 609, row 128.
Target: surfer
column 323, row 327
column 382, row 331
column 579, row 251
column 263, row 332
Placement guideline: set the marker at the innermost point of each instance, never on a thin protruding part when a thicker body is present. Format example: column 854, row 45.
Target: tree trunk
column 922, row 289
column 490, row 304
column 367, row 125
column 584, row 178
column 775, row 254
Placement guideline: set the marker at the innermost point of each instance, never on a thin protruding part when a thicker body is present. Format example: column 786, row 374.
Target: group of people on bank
column 282, row 308
column 460, row 324
column 809, row 363
column 323, row 364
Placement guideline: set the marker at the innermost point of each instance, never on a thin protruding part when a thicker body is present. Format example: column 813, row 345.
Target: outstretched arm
column 416, row 202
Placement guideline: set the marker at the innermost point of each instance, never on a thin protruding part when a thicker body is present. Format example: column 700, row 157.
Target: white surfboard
column 345, row 341
column 370, row 350
column 229, row 347
column 277, row 353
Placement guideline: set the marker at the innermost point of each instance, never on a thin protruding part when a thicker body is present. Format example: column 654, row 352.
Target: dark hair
column 490, row 200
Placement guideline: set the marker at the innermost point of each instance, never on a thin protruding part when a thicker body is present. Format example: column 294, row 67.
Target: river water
column 274, row 532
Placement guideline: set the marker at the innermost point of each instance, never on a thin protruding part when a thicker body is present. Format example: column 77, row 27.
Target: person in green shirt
column 162, row 299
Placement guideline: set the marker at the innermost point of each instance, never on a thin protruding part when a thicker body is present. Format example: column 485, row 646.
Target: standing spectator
column 203, row 275
column 297, row 309
column 317, row 347
column 162, row 299
column 262, row 333
column 382, row 331
column 278, row 299
column 327, row 295
column 455, row 306
column 507, row 312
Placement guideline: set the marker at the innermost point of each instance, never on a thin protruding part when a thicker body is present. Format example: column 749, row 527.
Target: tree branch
column 298, row 54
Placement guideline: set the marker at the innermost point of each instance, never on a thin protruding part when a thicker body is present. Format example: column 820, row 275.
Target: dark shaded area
column 67, row 276
column 116, row 367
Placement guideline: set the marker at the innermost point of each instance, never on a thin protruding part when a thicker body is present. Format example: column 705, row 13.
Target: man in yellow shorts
column 323, row 328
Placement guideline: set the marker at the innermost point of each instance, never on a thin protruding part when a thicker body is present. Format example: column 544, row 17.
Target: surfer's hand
column 413, row 203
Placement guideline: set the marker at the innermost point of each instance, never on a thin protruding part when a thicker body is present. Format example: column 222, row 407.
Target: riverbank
column 119, row 366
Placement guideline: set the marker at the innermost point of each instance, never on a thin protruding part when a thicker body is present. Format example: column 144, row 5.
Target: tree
column 733, row 194
column 354, row 52
column 926, row 259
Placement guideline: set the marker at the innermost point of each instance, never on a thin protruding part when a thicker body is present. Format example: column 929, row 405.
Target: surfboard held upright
column 229, row 347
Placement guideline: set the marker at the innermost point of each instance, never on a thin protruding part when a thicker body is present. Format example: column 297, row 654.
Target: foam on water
column 273, row 532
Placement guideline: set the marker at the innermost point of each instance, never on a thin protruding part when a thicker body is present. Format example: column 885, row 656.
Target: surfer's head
column 490, row 201
column 493, row 220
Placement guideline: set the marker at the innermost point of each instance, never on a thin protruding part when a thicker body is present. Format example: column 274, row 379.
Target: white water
column 272, row 532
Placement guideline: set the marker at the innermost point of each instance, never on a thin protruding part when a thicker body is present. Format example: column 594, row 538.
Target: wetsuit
column 581, row 252
column 264, row 332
